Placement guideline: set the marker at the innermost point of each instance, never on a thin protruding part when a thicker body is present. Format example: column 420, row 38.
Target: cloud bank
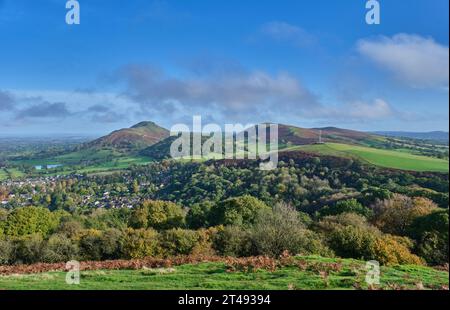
column 417, row 61
column 6, row 101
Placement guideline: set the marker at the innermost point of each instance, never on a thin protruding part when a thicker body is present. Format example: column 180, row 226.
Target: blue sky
column 303, row 62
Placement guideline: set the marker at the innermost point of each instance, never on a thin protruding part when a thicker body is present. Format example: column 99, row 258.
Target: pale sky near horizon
column 301, row 62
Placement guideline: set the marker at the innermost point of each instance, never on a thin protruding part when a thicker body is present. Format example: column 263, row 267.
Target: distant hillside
column 288, row 136
column 433, row 135
column 302, row 136
column 137, row 137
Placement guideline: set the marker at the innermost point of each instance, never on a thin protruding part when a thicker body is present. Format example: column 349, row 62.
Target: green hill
column 131, row 139
column 383, row 158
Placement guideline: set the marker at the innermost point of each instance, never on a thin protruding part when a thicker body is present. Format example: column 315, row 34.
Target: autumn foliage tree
column 395, row 215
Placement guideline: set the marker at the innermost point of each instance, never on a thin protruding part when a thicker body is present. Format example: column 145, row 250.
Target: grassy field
column 73, row 158
column 107, row 161
column 13, row 173
column 3, row 174
column 384, row 158
column 206, row 276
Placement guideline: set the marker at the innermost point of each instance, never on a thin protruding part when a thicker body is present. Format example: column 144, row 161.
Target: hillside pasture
column 384, row 158
column 311, row 273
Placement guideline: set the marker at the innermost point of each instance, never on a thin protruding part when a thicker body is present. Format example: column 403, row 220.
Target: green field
column 73, row 158
column 384, row 158
column 85, row 161
column 13, row 173
column 3, row 174
column 207, row 276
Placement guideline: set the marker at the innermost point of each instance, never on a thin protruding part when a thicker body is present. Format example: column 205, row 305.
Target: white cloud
column 240, row 93
column 282, row 31
column 377, row 110
column 417, row 61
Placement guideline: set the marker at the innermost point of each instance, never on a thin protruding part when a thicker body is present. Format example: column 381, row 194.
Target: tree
column 360, row 243
column 395, row 215
column 158, row 214
column 282, row 230
column 110, row 243
column 237, row 211
column 233, row 241
column 178, row 241
column 199, row 214
column 31, row 220
column 347, row 206
column 431, row 233
column 59, row 248
column 28, row 249
column 6, row 252
column 90, row 245
column 140, row 243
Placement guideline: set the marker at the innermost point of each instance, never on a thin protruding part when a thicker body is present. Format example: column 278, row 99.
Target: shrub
column 367, row 244
column 178, row 241
column 6, row 252
column 158, row 215
column 3, row 217
column 28, row 249
column 140, row 243
column 204, row 245
column 233, row 241
column 282, row 230
column 60, row 248
column 110, row 241
column 90, row 245
column 241, row 211
column 353, row 242
column 390, row 250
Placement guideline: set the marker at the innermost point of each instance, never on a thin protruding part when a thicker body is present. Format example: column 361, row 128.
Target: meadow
column 320, row 273
column 383, row 158
column 10, row 173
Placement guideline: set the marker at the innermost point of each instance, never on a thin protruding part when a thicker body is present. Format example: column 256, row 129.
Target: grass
column 384, row 158
column 3, row 174
column 10, row 173
column 104, row 160
column 207, row 276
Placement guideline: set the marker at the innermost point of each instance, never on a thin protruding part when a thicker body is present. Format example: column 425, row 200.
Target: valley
column 337, row 198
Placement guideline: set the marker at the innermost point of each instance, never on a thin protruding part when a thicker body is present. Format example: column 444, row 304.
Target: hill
column 338, row 142
column 291, row 135
column 135, row 138
column 383, row 158
column 288, row 136
column 310, row 273
column 441, row 136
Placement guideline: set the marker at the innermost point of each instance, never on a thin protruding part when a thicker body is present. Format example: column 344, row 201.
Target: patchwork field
column 102, row 161
column 384, row 158
column 3, row 174
column 10, row 173
column 316, row 273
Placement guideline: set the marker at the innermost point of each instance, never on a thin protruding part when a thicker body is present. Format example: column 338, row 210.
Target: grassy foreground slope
column 383, row 158
column 319, row 273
